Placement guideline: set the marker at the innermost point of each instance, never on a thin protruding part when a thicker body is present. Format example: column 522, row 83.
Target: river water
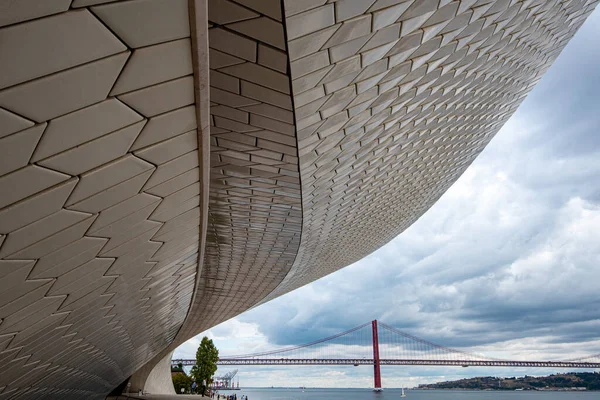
column 389, row 394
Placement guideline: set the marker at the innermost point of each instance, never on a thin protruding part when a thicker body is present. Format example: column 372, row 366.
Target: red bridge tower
column 376, row 366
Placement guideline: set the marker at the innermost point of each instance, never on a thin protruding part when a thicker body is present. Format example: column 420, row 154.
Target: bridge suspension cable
column 357, row 346
column 402, row 345
column 357, row 336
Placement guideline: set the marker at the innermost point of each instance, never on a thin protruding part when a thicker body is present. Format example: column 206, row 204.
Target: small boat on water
column 378, row 389
column 402, row 394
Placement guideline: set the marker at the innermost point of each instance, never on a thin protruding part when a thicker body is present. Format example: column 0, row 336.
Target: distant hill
column 570, row 381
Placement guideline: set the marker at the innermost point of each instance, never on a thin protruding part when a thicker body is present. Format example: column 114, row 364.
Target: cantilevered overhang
column 168, row 164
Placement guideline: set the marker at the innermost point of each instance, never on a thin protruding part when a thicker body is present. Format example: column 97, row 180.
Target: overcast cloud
column 506, row 263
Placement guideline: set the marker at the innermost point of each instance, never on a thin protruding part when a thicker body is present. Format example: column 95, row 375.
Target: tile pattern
column 334, row 126
column 393, row 101
column 255, row 213
column 99, row 192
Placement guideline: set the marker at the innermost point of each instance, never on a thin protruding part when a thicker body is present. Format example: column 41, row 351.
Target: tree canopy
column 206, row 362
column 181, row 380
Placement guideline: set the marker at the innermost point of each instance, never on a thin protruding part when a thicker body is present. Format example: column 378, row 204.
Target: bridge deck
column 367, row 361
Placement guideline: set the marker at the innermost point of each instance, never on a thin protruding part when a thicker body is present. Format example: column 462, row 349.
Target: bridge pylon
column 376, row 361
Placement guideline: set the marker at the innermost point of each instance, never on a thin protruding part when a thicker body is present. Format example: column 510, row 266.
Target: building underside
column 166, row 165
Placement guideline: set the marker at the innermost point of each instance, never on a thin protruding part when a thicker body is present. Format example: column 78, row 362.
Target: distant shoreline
column 411, row 389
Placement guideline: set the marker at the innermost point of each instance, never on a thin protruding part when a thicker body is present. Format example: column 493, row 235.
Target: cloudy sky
column 507, row 263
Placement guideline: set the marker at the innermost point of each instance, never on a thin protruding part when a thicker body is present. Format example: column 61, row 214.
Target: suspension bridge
column 375, row 343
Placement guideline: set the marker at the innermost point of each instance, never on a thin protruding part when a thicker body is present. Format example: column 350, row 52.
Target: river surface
column 389, row 394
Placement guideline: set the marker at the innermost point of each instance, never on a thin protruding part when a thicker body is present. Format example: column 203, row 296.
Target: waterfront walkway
column 156, row 397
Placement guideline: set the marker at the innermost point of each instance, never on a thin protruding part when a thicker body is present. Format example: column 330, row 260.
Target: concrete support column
column 154, row 377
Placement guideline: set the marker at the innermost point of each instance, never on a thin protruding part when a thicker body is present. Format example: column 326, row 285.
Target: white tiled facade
column 167, row 164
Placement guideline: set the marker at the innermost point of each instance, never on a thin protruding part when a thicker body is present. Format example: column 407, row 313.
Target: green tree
column 182, row 381
column 206, row 363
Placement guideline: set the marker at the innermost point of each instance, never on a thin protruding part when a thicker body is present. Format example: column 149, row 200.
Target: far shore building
column 167, row 164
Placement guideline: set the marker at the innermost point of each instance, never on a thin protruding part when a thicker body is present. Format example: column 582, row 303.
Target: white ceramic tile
column 12, row 12
column 383, row 36
column 224, row 82
column 124, row 236
column 16, row 149
column 310, row 81
column 352, row 29
column 95, row 153
column 84, row 3
column 11, row 123
column 172, row 212
column 5, row 340
column 170, row 149
column 272, row 58
column 420, row 8
column 173, row 185
column 142, row 252
column 36, row 207
column 173, row 168
column 272, row 125
column 388, row 16
column 224, row 12
column 33, row 332
column 310, row 21
column 84, row 125
column 232, row 44
column 66, row 258
column 78, row 298
column 32, row 289
column 12, row 272
column 183, row 231
column 263, row 29
column 66, row 91
column 155, row 64
column 108, row 175
column 118, row 227
column 30, row 296
column 294, row 7
column 40, row 230
column 371, row 56
column 260, row 75
column 54, row 242
column 309, row 96
column 218, row 59
column 272, row 112
column 131, row 244
column 113, row 195
column 346, row 9
column 177, row 198
column 223, row 97
column 230, row 113
column 144, row 22
column 27, row 181
column 309, row 44
column 31, row 314
column 123, row 209
column 80, row 277
column 161, row 98
column 189, row 216
column 271, row 8
column 62, row 41
column 348, row 49
column 165, row 126
column 309, row 64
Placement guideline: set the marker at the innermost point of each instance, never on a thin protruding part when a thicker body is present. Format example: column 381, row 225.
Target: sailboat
column 402, row 394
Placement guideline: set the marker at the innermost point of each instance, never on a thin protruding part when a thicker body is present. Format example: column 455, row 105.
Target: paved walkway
column 157, row 397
